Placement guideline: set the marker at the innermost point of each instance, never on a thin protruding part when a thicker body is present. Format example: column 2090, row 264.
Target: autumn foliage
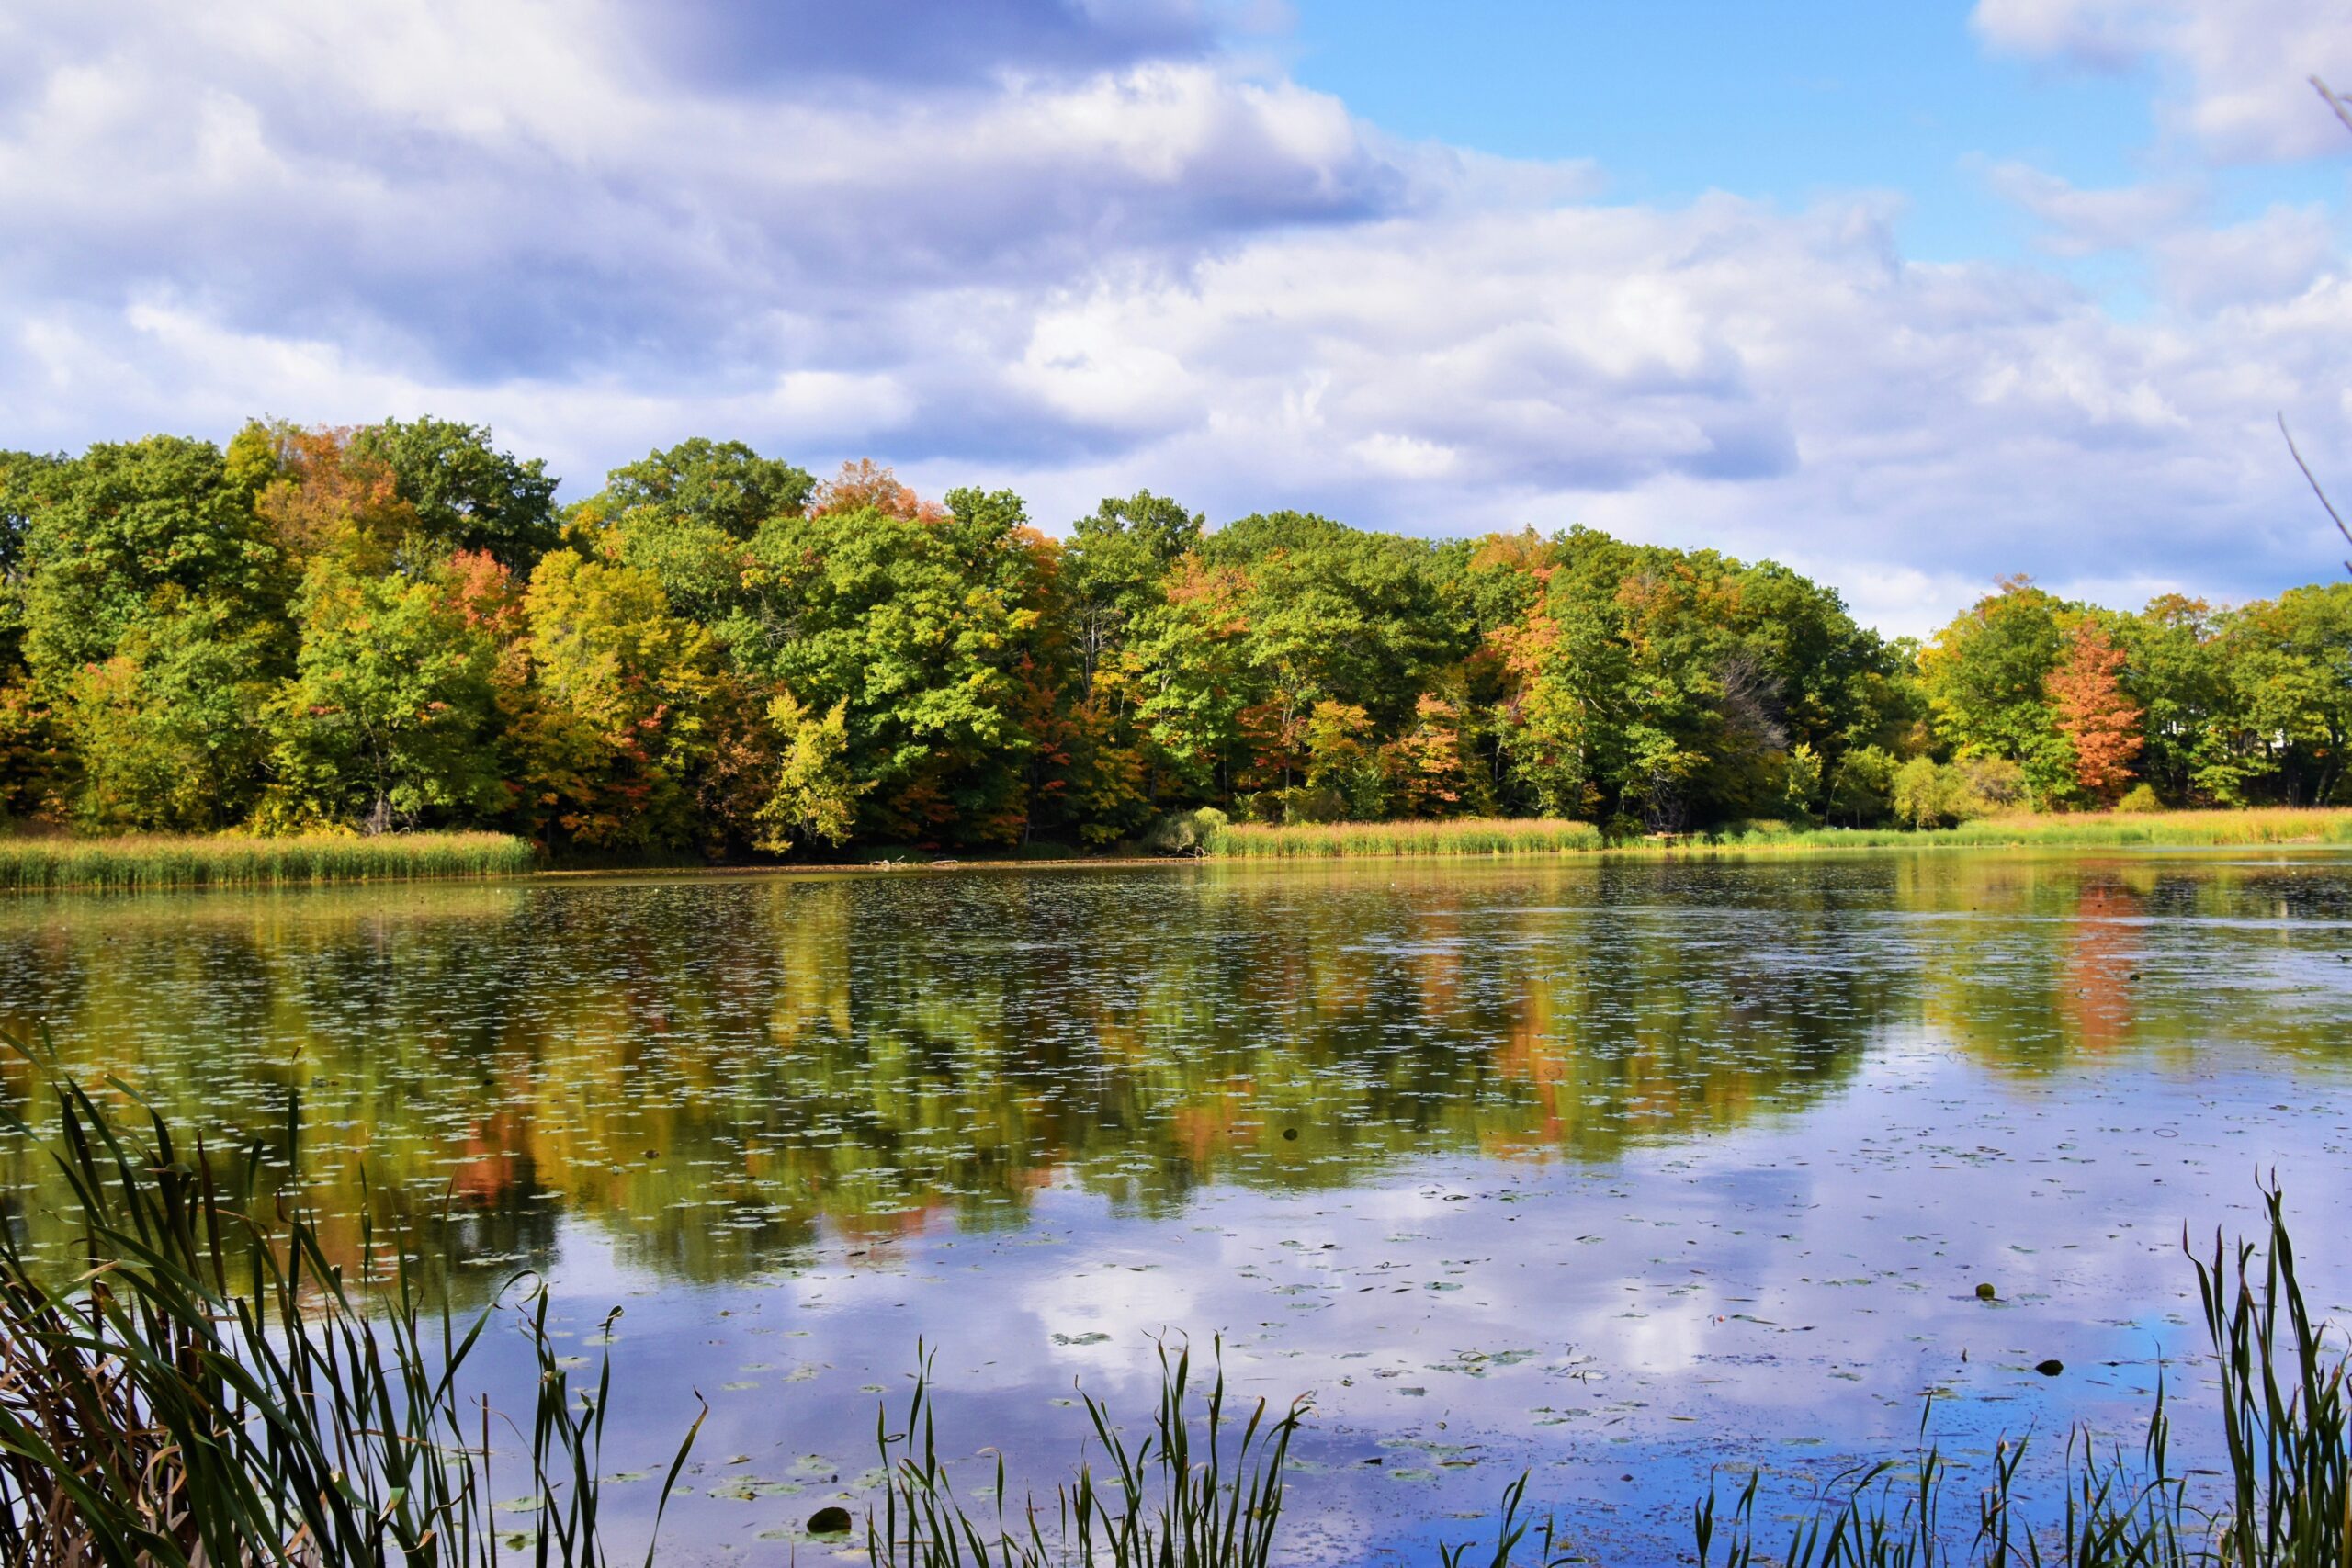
column 2099, row 722
column 396, row 626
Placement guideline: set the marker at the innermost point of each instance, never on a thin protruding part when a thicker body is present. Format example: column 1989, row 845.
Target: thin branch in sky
column 2314, row 481
column 2342, row 105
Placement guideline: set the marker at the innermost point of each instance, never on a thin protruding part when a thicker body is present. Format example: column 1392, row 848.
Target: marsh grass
column 2090, row 829
column 1171, row 1500
column 2281, row 1388
column 148, row 862
column 1534, row 836
column 206, row 1387
column 1452, row 836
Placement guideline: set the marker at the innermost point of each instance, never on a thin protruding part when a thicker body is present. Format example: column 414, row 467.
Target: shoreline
column 273, row 866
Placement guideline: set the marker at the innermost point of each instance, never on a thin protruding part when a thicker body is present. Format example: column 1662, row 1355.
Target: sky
column 1908, row 296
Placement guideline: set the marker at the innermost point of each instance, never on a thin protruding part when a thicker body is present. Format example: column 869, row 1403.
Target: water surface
column 1612, row 1170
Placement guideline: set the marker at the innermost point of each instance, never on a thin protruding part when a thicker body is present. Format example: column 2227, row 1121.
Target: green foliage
column 467, row 495
column 934, row 633
column 1861, row 788
column 814, row 799
column 27, row 480
column 1987, row 676
column 722, row 484
column 170, row 731
column 2140, row 800
column 1926, row 794
column 389, row 719
column 624, row 705
column 127, row 533
column 381, row 627
column 1186, row 832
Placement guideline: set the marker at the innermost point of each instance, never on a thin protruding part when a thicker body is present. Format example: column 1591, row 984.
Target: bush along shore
column 205, row 1385
column 149, row 861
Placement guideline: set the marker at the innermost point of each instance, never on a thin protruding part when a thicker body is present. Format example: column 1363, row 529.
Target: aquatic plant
column 2089, row 830
column 1535, row 836
column 1451, row 836
column 1169, row 1500
column 152, row 861
column 2287, row 1430
column 207, row 1387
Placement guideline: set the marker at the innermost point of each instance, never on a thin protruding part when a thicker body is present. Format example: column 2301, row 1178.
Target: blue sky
column 1908, row 296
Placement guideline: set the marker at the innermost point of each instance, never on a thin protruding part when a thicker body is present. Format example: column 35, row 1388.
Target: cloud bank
column 1081, row 247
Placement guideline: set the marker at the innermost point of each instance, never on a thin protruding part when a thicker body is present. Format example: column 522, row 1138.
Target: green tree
column 28, row 480
column 722, row 484
column 169, row 727
column 932, row 626
column 1116, row 570
column 130, row 532
column 2175, row 671
column 815, row 798
column 1986, row 677
column 1861, row 787
column 390, row 718
column 2289, row 673
column 623, row 708
column 467, row 495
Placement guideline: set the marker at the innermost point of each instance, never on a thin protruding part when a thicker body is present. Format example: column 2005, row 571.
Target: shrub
column 1184, row 832
column 2140, row 798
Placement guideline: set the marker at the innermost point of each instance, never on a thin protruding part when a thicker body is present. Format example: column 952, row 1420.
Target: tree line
column 396, row 626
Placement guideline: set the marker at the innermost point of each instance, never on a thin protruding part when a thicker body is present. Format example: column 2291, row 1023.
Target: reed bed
column 206, row 1388
column 1214, row 1501
column 2216, row 829
column 150, row 862
column 2286, row 1430
column 1452, row 836
column 1532, row 835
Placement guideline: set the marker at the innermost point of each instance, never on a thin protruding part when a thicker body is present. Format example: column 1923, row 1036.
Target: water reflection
column 715, row 1068
column 1575, row 1165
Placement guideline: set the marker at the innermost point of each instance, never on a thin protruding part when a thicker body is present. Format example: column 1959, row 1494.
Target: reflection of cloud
column 1118, row 1297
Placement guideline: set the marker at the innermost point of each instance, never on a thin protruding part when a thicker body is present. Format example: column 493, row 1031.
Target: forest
column 397, row 626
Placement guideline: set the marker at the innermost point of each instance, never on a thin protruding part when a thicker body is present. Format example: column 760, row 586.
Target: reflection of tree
column 2094, row 983
column 715, row 1070
column 2032, row 961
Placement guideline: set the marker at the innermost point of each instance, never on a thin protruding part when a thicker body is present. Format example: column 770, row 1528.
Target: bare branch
column 2342, row 105
column 2313, row 481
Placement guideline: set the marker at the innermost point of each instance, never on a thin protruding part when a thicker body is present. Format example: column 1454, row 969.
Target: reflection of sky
column 1782, row 1296
column 797, row 1128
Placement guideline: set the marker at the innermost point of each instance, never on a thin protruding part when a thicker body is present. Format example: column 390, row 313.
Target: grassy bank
column 2090, row 829
column 160, row 861
column 1474, row 836
column 1458, row 836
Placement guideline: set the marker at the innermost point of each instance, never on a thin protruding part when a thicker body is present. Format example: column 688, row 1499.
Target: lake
column 1615, row 1171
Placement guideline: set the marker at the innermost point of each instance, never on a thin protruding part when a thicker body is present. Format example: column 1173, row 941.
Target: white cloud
column 2242, row 64
column 2082, row 222
column 1101, row 267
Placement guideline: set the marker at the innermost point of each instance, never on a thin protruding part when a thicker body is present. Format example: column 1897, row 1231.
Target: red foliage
column 865, row 486
column 2099, row 722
